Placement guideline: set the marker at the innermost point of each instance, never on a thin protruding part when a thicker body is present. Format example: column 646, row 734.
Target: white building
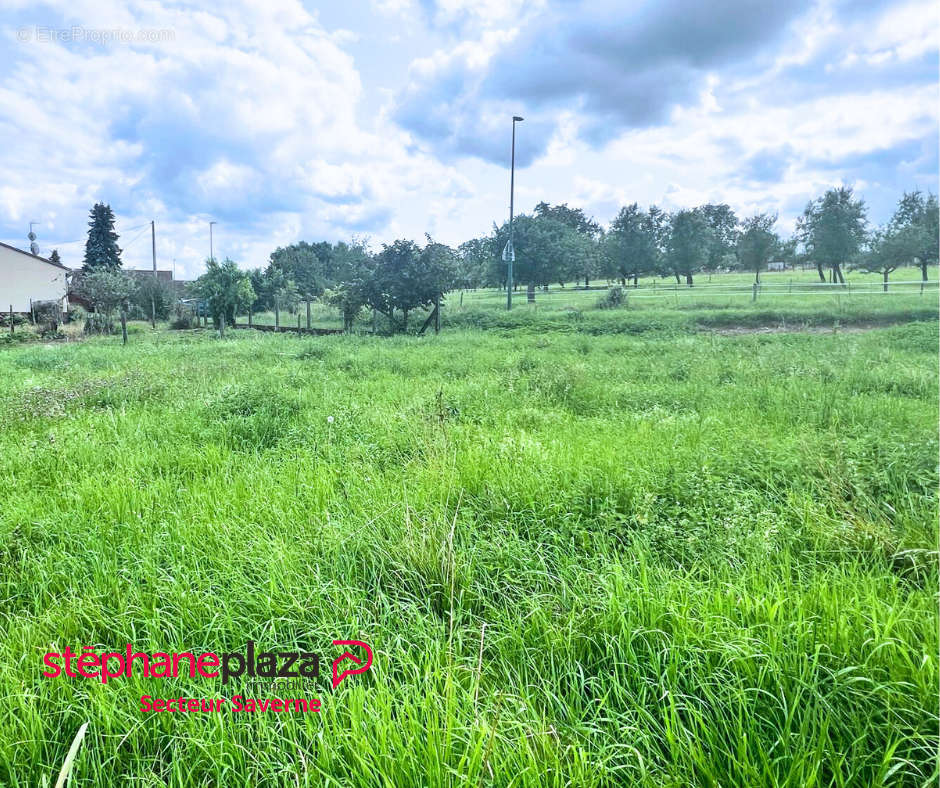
column 25, row 278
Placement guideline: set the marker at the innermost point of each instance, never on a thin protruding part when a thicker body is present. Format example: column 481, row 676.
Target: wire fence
column 561, row 297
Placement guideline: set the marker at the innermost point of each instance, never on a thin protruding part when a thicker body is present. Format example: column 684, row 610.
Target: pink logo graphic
column 339, row 676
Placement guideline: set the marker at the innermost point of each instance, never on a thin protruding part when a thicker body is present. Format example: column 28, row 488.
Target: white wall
column 24, row 277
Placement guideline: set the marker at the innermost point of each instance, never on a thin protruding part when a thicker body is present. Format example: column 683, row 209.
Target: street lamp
column 509, row 253
column 211, row 254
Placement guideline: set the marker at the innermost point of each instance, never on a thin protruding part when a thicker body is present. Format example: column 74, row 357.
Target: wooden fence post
column 754, row 294
column 437, row 314
column 277, row 317
column 249, row 315
column 123, row 325
column 11, row 318
column 308, row 315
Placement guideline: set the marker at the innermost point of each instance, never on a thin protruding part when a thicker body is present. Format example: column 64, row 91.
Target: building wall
column 24, row 278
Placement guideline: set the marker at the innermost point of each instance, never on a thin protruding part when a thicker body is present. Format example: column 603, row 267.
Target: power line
column 82, row 240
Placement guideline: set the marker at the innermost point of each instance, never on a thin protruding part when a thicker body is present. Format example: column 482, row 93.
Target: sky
column 381, row 119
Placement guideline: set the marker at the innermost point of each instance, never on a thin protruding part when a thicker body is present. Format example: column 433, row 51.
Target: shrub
column 616, row 297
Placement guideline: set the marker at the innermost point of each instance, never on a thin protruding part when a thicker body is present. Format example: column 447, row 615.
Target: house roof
column 34, row 256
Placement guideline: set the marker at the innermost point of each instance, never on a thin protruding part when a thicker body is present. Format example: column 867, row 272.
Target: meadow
column 604, row 547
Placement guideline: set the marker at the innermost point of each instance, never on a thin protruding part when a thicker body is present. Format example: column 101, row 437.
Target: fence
column 580, row 297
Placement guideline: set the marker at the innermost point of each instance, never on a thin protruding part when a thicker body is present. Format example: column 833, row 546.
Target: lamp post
column 509, row 253
column 211, row 254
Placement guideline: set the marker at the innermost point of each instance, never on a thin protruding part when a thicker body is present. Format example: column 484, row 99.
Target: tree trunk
column 635, row 281
column 530, row 293
column 123, row 327
column 678, row 279
column 308, row 315
column 688, row 279
column 885, row 274
column 587, row 282
column 923, row 271
column 404, row 322
column 822, row 276
column 837, row 274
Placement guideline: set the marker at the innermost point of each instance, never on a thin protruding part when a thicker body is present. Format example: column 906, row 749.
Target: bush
column 616, row 297
column 18, row 319
column 182, row 319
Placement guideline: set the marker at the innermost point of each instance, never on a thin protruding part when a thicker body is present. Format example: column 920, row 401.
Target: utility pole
column 153, row 249
column 509, row 253
column 211, row 253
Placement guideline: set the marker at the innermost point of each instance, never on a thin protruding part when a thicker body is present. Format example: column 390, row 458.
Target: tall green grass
column 694, row 559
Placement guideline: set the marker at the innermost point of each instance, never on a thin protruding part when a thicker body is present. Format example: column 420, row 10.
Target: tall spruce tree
column 101, row 249
column 54, row 257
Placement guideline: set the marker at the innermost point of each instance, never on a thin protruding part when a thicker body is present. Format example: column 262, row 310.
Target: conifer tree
column 101, row 249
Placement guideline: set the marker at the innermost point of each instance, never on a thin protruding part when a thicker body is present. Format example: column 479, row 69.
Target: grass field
column 691, row 558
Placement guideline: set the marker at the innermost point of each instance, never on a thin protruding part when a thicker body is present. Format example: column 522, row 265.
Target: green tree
column 226, row 289
column 153, row 297
column 688, row 245
column 573, row 217
column 547, row 250
column 582, row 260
column 101, row 249
column 105, row 289
column 631, row 245
column 757, row 243
column 723, row 234
column 915, row 228
column 472, row 262
column 886, row 251
column 54, row 257
column 832, row 230
column 302, row 263
column 405, row 277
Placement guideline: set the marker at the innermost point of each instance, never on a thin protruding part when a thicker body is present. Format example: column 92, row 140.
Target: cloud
column 620, row 65
column 282, row 123
column 247, row 113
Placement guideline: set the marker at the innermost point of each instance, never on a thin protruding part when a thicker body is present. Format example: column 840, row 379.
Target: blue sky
column 382, row 119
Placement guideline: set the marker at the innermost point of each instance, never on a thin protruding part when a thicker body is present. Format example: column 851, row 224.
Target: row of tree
column 555, row 244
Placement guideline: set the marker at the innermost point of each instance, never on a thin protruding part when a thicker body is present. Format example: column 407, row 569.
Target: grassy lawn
column 693, row 558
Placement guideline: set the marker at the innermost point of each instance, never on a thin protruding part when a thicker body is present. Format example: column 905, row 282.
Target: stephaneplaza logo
column 104, row 667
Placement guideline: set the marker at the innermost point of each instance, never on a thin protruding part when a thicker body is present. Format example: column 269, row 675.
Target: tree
column 688, row 245
column 547, row 250
column 101, row 249
column 584, row 258
column 54, row 257
column 226, row 289
column 473, row 258
column 757, row 243
column 105, row 290
column 302, row 262
column 406, row 277
column 916, row 229
column 353, row 270
column 573, row 217
column 723, row 235
column 832, row 230
column 884, row 254
column 631, row 245
column 153, row 297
